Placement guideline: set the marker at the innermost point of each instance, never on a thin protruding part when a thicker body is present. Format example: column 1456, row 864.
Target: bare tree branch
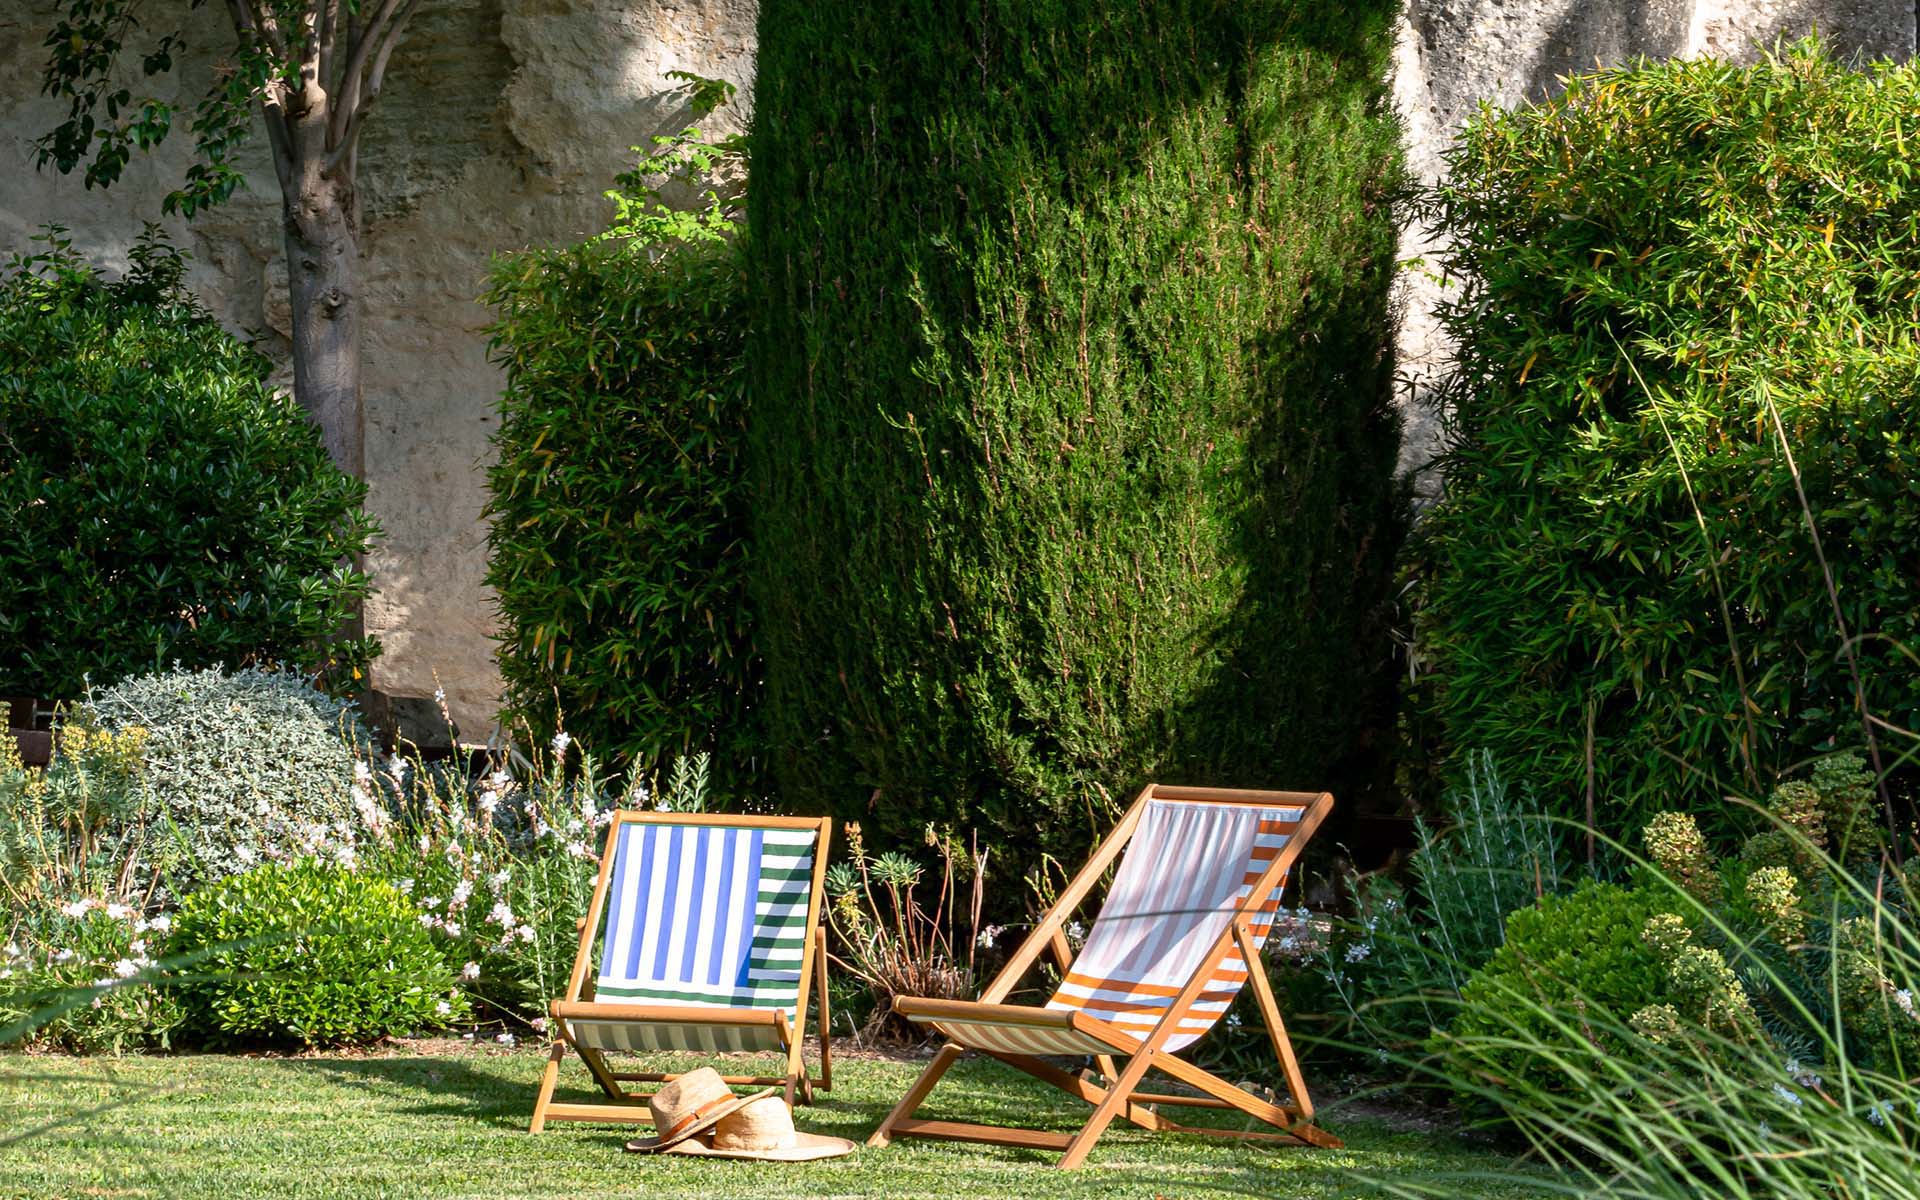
column 358, row 55
column 273, row 103
column 345, row 146
column 326, row 27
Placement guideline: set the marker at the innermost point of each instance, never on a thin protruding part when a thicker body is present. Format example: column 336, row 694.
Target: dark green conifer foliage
column 1071, row 445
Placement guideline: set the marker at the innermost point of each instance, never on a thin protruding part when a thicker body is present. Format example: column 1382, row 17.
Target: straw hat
column 759, row 1127
column 687, row 1106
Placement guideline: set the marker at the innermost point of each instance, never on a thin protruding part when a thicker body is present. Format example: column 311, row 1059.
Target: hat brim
column 655, row 1145
column 807, row 1147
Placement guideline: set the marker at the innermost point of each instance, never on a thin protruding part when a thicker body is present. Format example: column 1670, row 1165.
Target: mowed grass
column 454, row 1125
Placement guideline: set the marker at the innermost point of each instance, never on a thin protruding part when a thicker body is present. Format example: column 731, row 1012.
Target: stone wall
column 503, row 122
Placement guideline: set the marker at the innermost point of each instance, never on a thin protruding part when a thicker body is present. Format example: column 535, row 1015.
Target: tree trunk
column 323, row 277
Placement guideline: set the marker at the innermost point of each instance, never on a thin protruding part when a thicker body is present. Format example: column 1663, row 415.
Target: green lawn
column 411, row 1125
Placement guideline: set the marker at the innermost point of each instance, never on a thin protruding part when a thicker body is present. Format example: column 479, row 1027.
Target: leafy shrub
column 1071, row 450
column 1572, row 969
column 314, row 952
column 1674, row 274
column 240, row 766
column 73, row 827
column 161, row 501
column 617, row 509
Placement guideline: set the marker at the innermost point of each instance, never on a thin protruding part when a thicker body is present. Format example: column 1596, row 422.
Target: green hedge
column 617, row 541
column 160, row 502
column 1071, row 446
column 1661, row 265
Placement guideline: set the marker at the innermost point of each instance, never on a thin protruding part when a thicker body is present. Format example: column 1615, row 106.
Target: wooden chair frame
column 1121, row 1096
column 630, row 1108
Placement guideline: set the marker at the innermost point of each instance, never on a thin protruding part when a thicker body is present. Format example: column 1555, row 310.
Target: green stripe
column 802, row 874
column 764, row 997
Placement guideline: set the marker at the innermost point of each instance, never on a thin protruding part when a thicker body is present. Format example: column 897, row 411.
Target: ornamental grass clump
column 1675, row 553
column 1807, row 1089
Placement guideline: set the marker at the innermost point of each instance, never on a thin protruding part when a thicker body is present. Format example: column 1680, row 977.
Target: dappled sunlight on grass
column 455, row 1125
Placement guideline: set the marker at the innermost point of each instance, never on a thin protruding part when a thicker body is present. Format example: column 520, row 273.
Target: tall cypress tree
column 1072, row 448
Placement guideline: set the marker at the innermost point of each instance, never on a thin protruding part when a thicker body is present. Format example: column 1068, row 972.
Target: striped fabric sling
column 702, row 916
column 1187, row 871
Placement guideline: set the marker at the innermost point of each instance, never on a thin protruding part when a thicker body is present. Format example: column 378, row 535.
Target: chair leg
column 1115, row 1102
column 548, row 1079
column 826, row 1016
column 602, row 1073
column 915, row 1094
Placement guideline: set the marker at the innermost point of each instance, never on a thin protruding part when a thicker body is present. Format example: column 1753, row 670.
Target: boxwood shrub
column 160, row 501
column 1673, row 276
column 310, row 952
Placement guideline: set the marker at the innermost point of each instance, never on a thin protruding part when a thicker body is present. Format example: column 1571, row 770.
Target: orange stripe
column 1143, row 989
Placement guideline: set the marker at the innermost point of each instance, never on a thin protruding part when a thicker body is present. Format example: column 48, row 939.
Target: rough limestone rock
column 503, row 122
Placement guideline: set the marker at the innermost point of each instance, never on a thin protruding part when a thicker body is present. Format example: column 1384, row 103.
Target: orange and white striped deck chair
column 711, row 943
column 1188, row 911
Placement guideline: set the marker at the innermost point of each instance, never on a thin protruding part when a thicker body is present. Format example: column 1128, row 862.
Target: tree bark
column 321, row 209
column 323, row 268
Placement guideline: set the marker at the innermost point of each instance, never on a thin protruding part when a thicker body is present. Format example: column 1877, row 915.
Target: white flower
column 579, row 850
column 499, row 780
column 397, row 767
column 126, row 968
column 79, row 908
column 470, row 971
column 425, row 843
column 63, row 956
column 13, row 950
column 362, row 773
column 988, row 936
column 439, row 695
column 539, row 1024
column 489, row 801
column 461, row 891
column 1787, row 1094
column 452, row 928
column 430, row 902
column 1359, row 951
column 137, row 948
column 405, row 886
column 499, row 878
column 1076, row 932
column 561, row 741
column 159, row 924
column 1877, row 1113
column 244, row 854
column 1904, row 998
column 501, row 914
column 427, row 920
column 261, row 808
column 526, row 933
column 505, row 1039
column 443, row 1008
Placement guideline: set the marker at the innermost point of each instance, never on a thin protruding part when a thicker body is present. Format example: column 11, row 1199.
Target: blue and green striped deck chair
column 705, row 932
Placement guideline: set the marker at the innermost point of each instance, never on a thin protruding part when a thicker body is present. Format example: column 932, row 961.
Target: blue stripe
column 673, row 899
column 620, row 868
column 698, row 918
column 746, row 919
column 647, row 840
column 726, row 897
